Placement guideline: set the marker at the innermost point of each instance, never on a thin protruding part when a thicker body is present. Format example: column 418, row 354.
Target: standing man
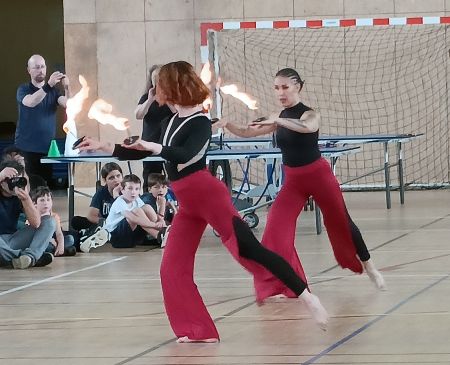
column 37, row 102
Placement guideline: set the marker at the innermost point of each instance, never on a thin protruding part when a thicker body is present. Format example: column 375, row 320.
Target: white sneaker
column 99, row 238
column 21, row 262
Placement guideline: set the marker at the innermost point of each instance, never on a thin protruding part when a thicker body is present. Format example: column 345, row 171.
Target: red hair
column 179, row 84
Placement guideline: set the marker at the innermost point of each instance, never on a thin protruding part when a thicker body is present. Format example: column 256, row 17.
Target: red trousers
column 318, row 181
column 205, row 200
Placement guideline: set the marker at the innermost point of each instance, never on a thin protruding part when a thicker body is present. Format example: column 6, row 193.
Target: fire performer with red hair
column 184, row 143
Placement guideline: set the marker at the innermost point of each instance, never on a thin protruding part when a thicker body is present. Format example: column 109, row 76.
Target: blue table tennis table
column 332, row 152
column 345, row 140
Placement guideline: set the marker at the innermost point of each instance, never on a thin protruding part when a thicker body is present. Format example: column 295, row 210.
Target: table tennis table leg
column 98, row 182
column 386, row 176
column 400, row 172
column 318, row 219
column 71, row 192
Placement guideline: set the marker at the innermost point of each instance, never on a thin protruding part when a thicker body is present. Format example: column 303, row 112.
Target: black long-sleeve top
column 185, row 142
column 151, row 127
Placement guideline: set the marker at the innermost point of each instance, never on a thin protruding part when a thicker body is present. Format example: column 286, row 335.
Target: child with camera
column 23, row 248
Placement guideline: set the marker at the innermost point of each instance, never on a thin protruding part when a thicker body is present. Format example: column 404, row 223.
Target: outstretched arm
column 247, row 131
column 308, row 123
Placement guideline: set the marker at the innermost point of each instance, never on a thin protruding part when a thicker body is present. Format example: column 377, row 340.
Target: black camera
column 18, row 181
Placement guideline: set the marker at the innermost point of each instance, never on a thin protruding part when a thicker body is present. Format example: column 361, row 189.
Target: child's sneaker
column 44, row 260
column 99, row 238
column 70, row 251
column 22, row 262
column 87, row 232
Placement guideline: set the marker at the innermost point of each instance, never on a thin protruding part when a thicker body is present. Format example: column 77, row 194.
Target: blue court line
column 372, row 322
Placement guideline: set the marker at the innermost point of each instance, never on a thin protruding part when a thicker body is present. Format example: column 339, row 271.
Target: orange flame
column 75, row 104
column 233, row 90
column 101, row 111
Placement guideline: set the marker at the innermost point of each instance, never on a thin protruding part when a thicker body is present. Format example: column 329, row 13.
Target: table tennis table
column 345, row 140
column 332, row 152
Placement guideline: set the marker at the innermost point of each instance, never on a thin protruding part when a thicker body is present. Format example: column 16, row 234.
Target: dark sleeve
column 143, row 99
column 126, row 154
column 96, row 201
column 22, row 91
column 199, row 135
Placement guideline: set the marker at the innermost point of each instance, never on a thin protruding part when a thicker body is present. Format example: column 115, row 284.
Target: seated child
column 162, row 202
column 62, row 243
column 129, row 220
column 101, row 202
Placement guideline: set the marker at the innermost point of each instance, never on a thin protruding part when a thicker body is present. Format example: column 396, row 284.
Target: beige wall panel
column 219, row 9
column 169, row 9
column 121, row 61
column 368, row 8
column 119, row 10
column 177, row 43
column 79, row 11
column 419, row 6
column 268, row 8
column 447, row 6
column 304, row 8
column 81, row 59
column 415, row 14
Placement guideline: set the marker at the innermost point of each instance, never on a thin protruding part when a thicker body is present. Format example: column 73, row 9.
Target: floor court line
column 393, row 240
column 320, row 355
column 51, row 278
column 372, row 322
column 158, row 346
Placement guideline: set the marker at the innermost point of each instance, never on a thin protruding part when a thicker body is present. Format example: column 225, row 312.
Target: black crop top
column 185, row 142
column 298, row 149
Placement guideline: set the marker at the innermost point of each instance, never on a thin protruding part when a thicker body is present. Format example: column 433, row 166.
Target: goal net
column 362, row 80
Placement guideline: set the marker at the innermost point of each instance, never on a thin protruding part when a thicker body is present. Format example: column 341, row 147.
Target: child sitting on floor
column 62, row 243
column 129, row 220
column 162, row 202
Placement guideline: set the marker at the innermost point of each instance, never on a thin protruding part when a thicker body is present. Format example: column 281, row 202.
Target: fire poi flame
column 75, row 105
column 101, row 111
column 233, row 90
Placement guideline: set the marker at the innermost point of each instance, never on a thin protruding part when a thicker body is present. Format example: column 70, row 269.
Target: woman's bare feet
column 186, row 339
column 318, row 312
column 374, row 275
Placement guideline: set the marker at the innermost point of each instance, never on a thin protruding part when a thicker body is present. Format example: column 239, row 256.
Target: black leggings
column 250, row 248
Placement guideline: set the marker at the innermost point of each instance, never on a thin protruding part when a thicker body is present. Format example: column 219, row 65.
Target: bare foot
column 318, row 312
column 186, row 339
column 374, row 275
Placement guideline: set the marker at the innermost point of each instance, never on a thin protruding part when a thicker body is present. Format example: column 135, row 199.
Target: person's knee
column 47, row 223
column 69, row 240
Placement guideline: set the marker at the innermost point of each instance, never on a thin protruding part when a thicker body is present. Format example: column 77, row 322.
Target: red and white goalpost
column 365, row 76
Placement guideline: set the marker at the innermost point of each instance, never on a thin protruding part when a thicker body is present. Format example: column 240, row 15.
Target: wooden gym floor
column 105, row 307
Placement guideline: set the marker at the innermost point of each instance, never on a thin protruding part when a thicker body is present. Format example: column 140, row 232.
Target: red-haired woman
column 184, row 143
column 306, row 174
